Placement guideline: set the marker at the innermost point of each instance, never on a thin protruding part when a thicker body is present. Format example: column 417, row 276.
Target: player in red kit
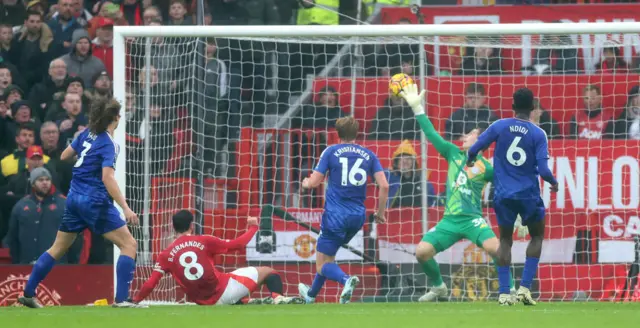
column 190, row 260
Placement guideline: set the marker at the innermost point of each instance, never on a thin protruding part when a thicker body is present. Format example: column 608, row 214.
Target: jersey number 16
column 349, row 175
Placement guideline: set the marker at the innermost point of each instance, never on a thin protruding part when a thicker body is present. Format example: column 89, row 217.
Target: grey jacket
column 85, row 67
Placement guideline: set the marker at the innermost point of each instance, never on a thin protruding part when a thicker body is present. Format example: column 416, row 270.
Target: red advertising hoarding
column 65, row 285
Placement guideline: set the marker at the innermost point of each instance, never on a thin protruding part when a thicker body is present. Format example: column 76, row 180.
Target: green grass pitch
column 390, row 315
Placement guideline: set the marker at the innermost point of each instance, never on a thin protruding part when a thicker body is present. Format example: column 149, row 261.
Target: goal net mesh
column 229, row 133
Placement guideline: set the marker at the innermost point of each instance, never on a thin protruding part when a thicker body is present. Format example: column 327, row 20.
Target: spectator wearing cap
column 42, row 93
column 40, row 6
column 12, row 12
column 101, row 86
column 12, row 94
column 35, row 220
column 21, row 112
column 18, row 184
column 627, row 125
column 33, row 47
column 74, row 84
column 16, row 162
column 64, row 25
column 80, row 60
column 103, row 43
column 73, row 120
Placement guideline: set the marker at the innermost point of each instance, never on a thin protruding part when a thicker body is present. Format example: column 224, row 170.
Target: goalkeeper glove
column 413, row 99
column 522, row 230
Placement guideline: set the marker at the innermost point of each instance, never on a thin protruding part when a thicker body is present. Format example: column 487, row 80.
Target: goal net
column 227, row 121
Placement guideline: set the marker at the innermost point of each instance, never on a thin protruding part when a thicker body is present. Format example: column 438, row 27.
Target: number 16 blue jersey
column 349, row 167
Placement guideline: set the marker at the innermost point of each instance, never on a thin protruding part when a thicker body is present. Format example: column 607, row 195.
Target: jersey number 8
column 349, row 176
column 192, row 264
column 514, row 149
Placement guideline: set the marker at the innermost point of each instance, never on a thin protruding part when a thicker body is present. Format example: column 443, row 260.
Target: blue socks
column 124, row 272
column 41, row 269
column 504, row 279
column 317, row 284
column 332, row 271
column 529, row 271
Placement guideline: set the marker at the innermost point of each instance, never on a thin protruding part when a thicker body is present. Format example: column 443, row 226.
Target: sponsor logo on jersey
column 304, row 246
column 12, row 287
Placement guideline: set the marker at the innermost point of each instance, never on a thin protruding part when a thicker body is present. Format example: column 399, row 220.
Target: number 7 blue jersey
column 349, row 166
column 94, row 153
column 520, row 155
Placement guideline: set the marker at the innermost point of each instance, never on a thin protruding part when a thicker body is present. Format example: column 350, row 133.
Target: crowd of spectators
column 56, row 58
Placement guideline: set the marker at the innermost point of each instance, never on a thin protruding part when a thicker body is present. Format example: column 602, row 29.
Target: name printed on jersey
column 184, row 245
column 351, row 149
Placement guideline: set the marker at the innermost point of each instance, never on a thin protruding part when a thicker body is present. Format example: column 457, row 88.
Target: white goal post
column 316, row 33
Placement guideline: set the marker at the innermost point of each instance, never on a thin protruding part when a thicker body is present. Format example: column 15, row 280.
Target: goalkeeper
column 463, row 209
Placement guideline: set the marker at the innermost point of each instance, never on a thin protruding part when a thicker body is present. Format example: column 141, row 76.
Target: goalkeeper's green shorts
column 452, row 229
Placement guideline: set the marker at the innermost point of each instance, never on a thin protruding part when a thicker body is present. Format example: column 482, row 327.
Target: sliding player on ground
column 90, row 203
column 463, row 210
column 521, row 154
column 190, row 261
column 349, row 166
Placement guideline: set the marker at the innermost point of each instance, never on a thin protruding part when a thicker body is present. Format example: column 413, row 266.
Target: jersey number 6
column 349, row 176
column 192, row 264
column 514, row 149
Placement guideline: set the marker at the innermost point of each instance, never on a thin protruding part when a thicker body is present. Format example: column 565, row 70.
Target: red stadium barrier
column 560, row 95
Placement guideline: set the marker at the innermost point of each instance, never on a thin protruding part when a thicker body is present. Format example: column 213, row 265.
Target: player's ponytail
column 103, row 112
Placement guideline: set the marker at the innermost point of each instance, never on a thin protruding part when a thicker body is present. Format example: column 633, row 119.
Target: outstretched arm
column 220, row 245
column 411, row 96
column 148, row 286
column 484, row 141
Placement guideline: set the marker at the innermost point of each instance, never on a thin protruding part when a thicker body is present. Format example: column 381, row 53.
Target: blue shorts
column 97, row 214
column 507, row 210
column 336, row 230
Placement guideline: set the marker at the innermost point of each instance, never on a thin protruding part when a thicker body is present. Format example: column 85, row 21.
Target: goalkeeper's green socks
column 432, row 270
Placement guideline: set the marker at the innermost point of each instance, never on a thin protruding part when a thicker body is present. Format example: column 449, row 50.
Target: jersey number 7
column 349, row 175
column 84, row 152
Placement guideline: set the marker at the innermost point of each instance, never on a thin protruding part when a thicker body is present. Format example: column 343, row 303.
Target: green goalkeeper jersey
column 464, row 184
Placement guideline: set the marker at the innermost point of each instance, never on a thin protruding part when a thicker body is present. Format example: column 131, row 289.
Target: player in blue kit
column 90, row 203
column 520, row 156
column 349, row 166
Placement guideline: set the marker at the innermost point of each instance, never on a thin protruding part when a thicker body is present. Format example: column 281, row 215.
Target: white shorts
column 241, row 284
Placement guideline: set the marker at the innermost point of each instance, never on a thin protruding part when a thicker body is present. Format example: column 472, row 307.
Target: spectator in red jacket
column 103, row 43
column 612, row 61
column 591, row 122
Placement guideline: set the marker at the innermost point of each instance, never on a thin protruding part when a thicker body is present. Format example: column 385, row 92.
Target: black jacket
column 42, row 94
column 33, row 227
column 463, row 120
column 394, row 123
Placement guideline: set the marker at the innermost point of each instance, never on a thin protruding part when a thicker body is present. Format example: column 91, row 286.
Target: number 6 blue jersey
column 94, row 153
column 521, row 153
column 349, row 167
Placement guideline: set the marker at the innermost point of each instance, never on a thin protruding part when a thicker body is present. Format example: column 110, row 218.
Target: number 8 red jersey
column 190, row 260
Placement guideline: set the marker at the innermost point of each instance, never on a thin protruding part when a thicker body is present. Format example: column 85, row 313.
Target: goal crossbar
column 377, row 30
